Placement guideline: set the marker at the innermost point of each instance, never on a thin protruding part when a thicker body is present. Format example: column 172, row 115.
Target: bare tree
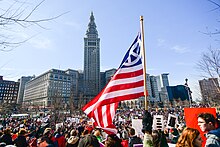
column 16, row 14
column 57, row 105
column 209, row 63
column 71, row 101
column 216, row 4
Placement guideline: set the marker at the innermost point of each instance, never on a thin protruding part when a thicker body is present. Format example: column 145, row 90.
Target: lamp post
column 189, row 92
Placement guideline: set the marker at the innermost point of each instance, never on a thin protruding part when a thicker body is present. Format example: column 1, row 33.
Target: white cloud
column 8, row 69
column 41, row 43
column 180, row 49
column 183, row 63
column 160, row 42
column 75, row 25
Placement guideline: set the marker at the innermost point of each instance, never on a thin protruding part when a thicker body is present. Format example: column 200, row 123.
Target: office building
column 22, row 81
column 154, row 89
column 53, row 86
column 165, row 80
column 210, row 91
column 8, row 91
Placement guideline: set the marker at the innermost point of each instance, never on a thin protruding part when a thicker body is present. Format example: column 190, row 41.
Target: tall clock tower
column 91, row 59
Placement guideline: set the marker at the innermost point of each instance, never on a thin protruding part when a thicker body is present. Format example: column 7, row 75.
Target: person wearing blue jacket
column 207, row 123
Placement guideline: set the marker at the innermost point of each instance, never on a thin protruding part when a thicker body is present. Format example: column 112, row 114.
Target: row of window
column 7, row 95
column 6, row 98
column 60, row 77
column 7, row 88
column 8, row 85
column 2, row 91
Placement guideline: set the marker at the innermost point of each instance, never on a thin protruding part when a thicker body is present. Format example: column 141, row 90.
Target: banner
column 178, row 92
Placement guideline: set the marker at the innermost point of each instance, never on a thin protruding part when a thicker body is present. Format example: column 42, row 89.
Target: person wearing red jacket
column 61, row 140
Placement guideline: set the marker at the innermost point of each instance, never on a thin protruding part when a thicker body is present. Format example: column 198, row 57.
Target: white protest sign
column 158, row 122
column 137, row 125
column 59, row 125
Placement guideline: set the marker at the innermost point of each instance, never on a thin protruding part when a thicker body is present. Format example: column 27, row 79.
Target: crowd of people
column 41, row 132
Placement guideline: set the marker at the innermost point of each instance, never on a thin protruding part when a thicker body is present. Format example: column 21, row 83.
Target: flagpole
column 144, row 61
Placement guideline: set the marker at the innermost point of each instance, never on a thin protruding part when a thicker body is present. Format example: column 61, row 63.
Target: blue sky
column 173, row 36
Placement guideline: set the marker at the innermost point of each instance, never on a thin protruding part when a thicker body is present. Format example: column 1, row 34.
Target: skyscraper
column 91, row 60
column 165, row 80
column 154, row 88
column 22, row 81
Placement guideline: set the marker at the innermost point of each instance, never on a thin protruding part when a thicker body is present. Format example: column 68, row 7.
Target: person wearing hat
column 48, row 136
column 21, row 141
column 73, row 141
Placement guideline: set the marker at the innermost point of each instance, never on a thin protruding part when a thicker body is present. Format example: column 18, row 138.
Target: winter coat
column 134, row 140
column 21, row 141
column 148, row 140
column 60, row 140
column 7, row 139
column 213, row 138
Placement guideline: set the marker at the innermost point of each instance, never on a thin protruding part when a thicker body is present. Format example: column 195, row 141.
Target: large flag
column 126, row 84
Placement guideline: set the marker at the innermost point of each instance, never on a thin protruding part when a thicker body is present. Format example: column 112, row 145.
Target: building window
column 92, row 43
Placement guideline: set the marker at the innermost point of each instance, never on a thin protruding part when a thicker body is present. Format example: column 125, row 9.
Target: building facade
column 54, row 86
column 154, row 89
column 165, row 80
column 22, row 81
column 148, row 83
column 8, row 91
column 163, row 95
column 91, row 60
column 210, row 91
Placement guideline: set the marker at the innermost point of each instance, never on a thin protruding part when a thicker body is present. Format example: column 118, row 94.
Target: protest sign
column 172, row 121
column 137, row 125
column 158, row 122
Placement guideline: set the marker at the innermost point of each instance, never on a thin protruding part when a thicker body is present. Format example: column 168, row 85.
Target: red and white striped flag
column 126, row 84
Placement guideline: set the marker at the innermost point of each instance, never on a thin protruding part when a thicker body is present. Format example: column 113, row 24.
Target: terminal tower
column 91, row 60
